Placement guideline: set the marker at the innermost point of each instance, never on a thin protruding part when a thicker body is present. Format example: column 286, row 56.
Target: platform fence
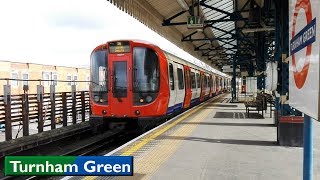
column 26, row 114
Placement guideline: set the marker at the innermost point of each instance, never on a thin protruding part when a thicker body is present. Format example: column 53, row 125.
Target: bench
column 270, row 101
column 259, row 104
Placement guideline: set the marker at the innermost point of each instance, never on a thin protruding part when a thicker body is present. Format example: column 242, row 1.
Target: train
column 136, row 83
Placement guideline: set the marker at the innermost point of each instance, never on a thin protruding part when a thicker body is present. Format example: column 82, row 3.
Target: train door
column 194, row 89
column 207, row 83
column 120, row 97
column 187, row 99
column 210, row 85
column 217, row 85
column 180, row 87
column 222, row 84
column 214, row 84
column 202, row 85
column 173, row 89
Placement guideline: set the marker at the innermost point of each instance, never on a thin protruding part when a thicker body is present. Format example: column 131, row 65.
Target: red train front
column 126, row 81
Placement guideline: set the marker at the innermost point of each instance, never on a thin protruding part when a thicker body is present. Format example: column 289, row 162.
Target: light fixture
column 183, row 4
column 258, row 30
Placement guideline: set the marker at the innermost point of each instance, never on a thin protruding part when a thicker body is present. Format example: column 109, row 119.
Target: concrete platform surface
column 217, row 142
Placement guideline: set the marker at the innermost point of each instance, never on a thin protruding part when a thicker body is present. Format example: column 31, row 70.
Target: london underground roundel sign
column 304, row 56
column 303, row 39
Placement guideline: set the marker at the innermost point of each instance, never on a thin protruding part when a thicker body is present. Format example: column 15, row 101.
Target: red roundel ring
column 300, row 77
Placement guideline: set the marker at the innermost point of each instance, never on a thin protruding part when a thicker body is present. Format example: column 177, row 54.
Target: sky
column 64, row 32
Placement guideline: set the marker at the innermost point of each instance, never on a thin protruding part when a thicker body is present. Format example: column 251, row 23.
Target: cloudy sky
column 64, row 32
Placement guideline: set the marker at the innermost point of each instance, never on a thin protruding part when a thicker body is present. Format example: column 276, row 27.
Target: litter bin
column 290, row 131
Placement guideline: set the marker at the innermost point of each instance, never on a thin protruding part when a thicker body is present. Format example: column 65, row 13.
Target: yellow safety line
column 153, row 136
column 153, row 159
column 158, row 133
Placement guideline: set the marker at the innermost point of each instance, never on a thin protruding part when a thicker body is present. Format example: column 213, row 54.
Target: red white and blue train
column 135, row 81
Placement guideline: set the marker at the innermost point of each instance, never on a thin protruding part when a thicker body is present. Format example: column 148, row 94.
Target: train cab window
column 193, row 80
column 198, row 80
column 171, row 77
column 99, row 74
column 180, row 79
column 146, row 73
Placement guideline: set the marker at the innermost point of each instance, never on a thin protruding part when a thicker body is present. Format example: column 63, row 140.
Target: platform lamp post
column 234, row 89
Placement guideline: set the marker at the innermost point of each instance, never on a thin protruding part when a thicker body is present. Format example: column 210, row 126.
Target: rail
column 47, row 110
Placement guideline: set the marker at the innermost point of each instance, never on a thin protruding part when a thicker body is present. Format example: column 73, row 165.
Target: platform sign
column 194, row 22
column 304, row 56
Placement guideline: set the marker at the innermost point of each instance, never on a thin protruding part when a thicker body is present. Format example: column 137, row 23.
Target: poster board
column 251, row 85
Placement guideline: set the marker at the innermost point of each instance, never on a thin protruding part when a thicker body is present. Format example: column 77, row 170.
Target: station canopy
column 218, row 32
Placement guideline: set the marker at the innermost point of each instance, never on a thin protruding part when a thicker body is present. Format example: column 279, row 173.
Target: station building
column 21, row 74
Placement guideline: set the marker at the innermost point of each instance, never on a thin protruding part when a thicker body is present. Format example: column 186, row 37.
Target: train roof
column 187, row 57
column 196, row 63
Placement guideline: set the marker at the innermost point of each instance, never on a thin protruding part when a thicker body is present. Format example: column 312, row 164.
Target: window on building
column 75, row 79
column 14, row 82
column 55, row 79
column 88, row 80
column 69, row 80
column 25, row 78
column 180, row 78
column 46, row 78
column 171, row 80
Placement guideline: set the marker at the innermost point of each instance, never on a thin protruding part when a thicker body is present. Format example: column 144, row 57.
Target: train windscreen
column 146, row 75
column 99, row 74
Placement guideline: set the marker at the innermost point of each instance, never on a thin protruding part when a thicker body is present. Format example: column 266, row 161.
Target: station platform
column 216, row 141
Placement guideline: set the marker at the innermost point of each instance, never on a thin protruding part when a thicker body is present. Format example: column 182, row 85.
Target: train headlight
column 137, row 112
column 96, row 98
column 148, row 99
column 141, row 100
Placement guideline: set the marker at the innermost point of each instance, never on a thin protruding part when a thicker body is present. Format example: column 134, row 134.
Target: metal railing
column 46, row 111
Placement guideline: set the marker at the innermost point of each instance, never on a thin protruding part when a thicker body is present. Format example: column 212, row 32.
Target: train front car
column 129, row 83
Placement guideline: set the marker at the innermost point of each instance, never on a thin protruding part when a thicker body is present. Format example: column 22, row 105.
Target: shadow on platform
column 237, row 115
column 224, row 141
column 228, row 124
column 221, row 105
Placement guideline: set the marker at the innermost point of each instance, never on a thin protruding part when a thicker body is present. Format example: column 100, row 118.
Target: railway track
column 76, row 146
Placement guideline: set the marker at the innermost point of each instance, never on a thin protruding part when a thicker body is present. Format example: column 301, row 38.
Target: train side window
column 180, row 79
column 205, row 81
column 171, row 77
column 198, row 80
column 193, row 80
